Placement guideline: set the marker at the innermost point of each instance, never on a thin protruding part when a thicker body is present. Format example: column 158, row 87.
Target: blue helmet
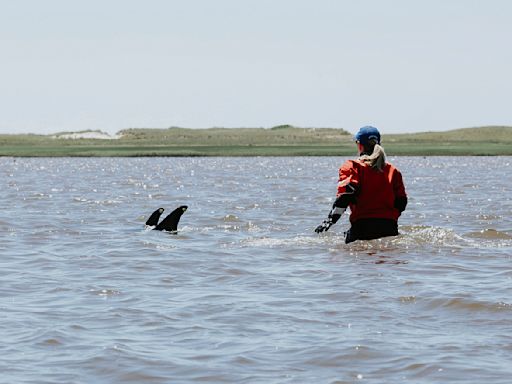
column 367, row 133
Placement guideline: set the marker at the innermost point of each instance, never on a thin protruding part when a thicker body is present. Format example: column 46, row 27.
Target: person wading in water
column 372, row 188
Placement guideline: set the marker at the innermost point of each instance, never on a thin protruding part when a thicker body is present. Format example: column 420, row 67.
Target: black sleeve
column 346, row 198
column 401, row 203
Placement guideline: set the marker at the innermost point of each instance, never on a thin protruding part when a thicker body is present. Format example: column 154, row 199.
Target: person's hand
column 333, row 217
column 326, row 224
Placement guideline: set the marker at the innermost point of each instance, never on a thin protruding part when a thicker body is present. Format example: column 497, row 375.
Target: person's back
column 372, row 188
column 376, row 190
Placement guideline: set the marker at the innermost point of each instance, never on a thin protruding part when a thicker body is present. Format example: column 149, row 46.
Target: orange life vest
column 375, row 191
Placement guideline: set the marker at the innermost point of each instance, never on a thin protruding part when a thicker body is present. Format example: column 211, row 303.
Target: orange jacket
column 375, row 191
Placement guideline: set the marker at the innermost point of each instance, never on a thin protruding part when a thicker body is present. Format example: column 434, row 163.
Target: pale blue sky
column 401, row 65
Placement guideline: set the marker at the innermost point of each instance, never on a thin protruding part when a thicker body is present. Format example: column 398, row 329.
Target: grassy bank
column 277, row 141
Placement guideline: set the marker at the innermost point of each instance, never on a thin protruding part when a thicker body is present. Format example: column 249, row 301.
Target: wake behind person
column 372, row 188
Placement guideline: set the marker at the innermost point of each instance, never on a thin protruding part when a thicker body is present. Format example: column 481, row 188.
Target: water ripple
column 246, row 292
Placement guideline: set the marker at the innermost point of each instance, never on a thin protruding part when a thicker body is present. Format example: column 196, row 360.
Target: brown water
column 247, row 292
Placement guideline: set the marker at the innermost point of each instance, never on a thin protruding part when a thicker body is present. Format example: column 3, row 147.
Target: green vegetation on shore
column 278, row 141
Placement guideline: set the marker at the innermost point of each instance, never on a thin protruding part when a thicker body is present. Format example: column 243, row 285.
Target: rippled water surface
column 247, row 292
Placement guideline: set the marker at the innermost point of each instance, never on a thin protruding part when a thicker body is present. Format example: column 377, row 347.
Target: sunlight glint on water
column 247, row 292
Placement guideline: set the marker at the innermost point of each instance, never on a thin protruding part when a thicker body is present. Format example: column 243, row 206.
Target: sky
column 401, row 65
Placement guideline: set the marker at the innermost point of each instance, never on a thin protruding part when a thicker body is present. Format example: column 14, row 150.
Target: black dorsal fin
column 170, row 223
column 153, row 219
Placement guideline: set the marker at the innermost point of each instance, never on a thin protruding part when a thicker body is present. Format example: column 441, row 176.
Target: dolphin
column 153, row 219
column 170, row 223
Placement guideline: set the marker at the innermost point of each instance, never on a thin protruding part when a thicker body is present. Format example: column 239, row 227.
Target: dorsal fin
column 153, row 219
column 170, row 223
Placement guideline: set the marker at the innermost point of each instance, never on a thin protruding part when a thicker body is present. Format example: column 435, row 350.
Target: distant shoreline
column 277, row 141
